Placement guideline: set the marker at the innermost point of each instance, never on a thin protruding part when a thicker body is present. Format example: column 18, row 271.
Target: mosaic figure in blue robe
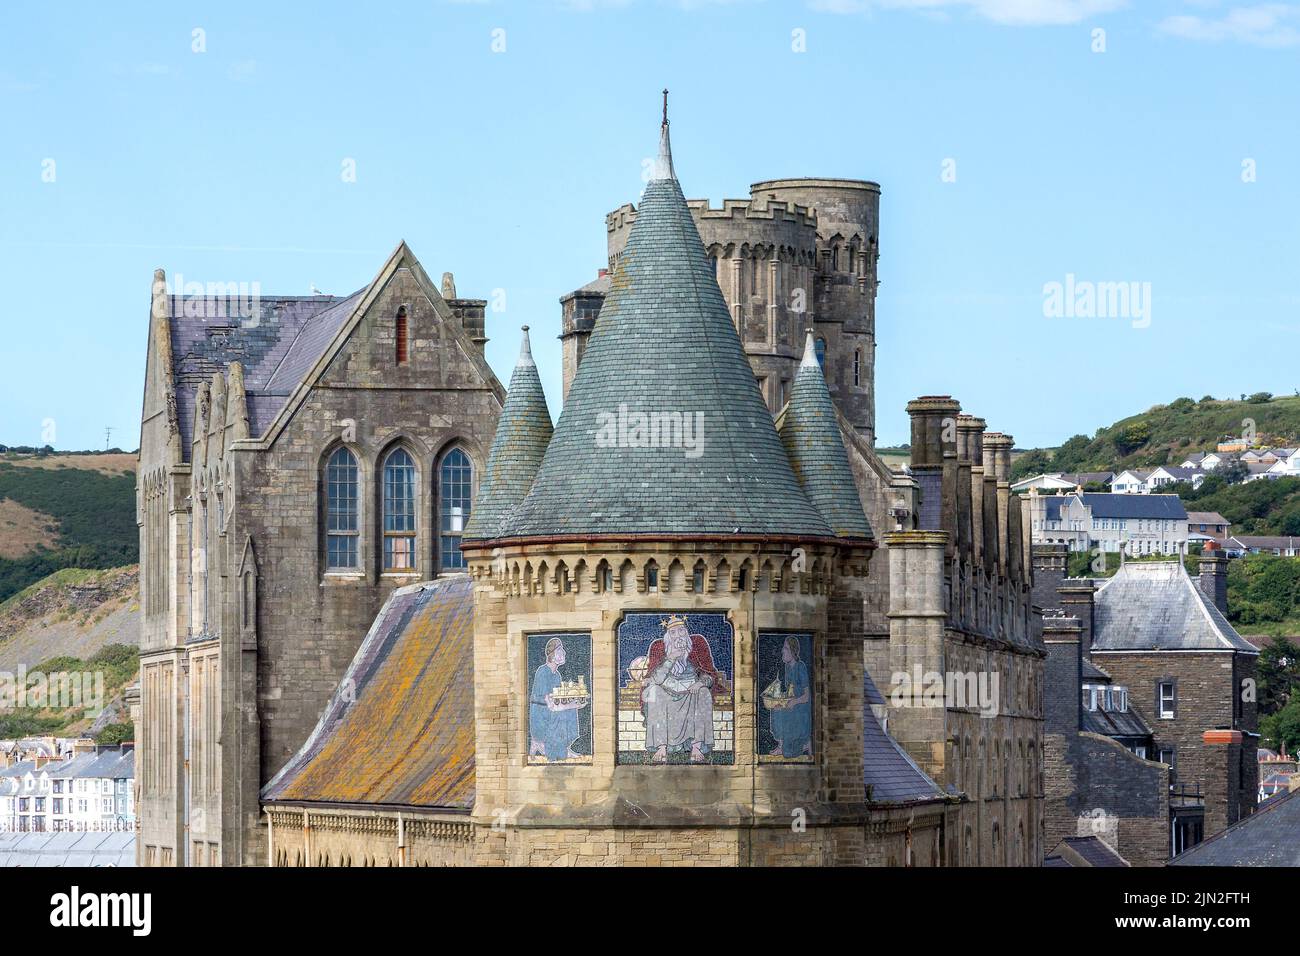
column 552, row 726
column 791, row 717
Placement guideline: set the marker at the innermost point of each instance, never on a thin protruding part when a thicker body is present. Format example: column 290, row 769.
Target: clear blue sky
column 499, row 166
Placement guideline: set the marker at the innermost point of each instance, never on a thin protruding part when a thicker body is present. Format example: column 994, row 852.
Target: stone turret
column 668, row 514
column 523, row 432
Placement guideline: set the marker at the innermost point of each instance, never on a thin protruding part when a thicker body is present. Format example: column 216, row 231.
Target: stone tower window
column 400, row 334
column 857, row 366
column 341, row 528
column 399, row 512
column 455, row 480
column 820, row 347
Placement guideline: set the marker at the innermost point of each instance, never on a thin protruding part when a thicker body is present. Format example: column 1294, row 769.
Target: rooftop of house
column 1155, row 605
column 1265, row 838
column 1206, row 517
column 1267, row 542
column 1083, row 851
column 1134, row 506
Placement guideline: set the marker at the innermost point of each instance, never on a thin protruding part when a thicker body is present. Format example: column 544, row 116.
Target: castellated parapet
column 798, row 253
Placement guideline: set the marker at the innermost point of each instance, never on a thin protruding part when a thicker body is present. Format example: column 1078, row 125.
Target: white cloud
column 1266, row 25
column 1010, row 12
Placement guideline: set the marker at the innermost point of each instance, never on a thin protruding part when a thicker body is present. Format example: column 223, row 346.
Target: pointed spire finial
column 525, row 350
column 663, row 168
column 809, row 351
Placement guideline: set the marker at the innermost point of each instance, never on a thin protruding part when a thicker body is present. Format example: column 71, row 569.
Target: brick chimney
column 1214, row 575
column 1223, row 779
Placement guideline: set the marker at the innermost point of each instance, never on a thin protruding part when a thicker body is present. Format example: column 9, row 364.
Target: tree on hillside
column 1278, row 674
column 1182, row 405
column 1260, row 397
column 1033, row 462
column 1232, row 471
column 1133, row 436
column 1282, row 730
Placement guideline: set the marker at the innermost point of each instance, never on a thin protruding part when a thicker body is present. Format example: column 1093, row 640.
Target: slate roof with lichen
column 1155, row 605
column 281, row 339
column 811, row 434
column 522, row 434
column 399, row 730
column 664, row 344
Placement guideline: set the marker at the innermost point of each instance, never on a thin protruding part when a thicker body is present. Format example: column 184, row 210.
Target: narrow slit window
column 400, row 333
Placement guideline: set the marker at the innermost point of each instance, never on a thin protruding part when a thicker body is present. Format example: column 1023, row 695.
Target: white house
column 1169, row 474
column 1205, row 460
column 84, row 791
column 1134, row 524
column 1132, row 482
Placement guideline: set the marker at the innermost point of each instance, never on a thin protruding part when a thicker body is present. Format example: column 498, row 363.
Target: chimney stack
column 1214, row 576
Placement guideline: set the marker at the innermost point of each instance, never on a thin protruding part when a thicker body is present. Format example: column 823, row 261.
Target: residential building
column 1205, row 526
column 1133, row 524
column 1130, row 482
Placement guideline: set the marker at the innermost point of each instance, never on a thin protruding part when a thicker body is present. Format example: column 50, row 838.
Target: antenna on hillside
column 108, row 437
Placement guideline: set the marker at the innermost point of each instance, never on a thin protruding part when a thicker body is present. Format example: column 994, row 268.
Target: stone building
column 677, row 642
column 798, row 254
column 1158, row 641
column 300, row 459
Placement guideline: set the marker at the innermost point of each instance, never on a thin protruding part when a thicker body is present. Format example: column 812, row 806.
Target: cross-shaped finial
column 665, row 106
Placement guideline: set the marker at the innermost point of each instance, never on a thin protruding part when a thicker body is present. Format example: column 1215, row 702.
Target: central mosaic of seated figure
column 678, row 694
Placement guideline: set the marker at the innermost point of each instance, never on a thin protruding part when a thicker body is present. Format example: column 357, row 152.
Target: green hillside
column 94, row 514
column 1166, row 434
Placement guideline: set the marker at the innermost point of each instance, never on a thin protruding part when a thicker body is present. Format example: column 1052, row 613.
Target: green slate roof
column 664, row 346
column 812, row 439
column 523, row 432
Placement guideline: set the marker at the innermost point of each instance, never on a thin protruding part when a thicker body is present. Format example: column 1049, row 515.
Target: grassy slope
column 1175, row 430
column 91, row 503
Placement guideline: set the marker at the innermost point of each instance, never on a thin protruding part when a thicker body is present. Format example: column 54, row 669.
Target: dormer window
column 401, row 347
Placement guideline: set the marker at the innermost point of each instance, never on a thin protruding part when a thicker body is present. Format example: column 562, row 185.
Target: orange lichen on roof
column 400, row 728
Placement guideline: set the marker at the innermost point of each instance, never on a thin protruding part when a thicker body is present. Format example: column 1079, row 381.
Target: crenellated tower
column 799, row 253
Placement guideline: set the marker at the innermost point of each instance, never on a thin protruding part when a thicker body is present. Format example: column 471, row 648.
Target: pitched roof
column 203, row 344
column 1155, row 605
column 1205, row 517
column 1087, row 477
column 1115, row 723
column 1265, row 838
column 889, row 773
column 399, row 731
column 811, row 434
column 1134, row 506
column 1267, row 541
column 664, row 429
column 1085, row 851
column 523, row 432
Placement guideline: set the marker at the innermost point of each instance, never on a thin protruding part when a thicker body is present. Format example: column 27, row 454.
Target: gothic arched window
column 820, row 347
column 342, row 531
column 857, row 366
column 454, row 486
column 399, row 511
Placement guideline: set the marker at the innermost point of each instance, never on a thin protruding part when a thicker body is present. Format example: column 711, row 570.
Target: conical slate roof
column 812, row 439
column 523, row 432
column 664, row 367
